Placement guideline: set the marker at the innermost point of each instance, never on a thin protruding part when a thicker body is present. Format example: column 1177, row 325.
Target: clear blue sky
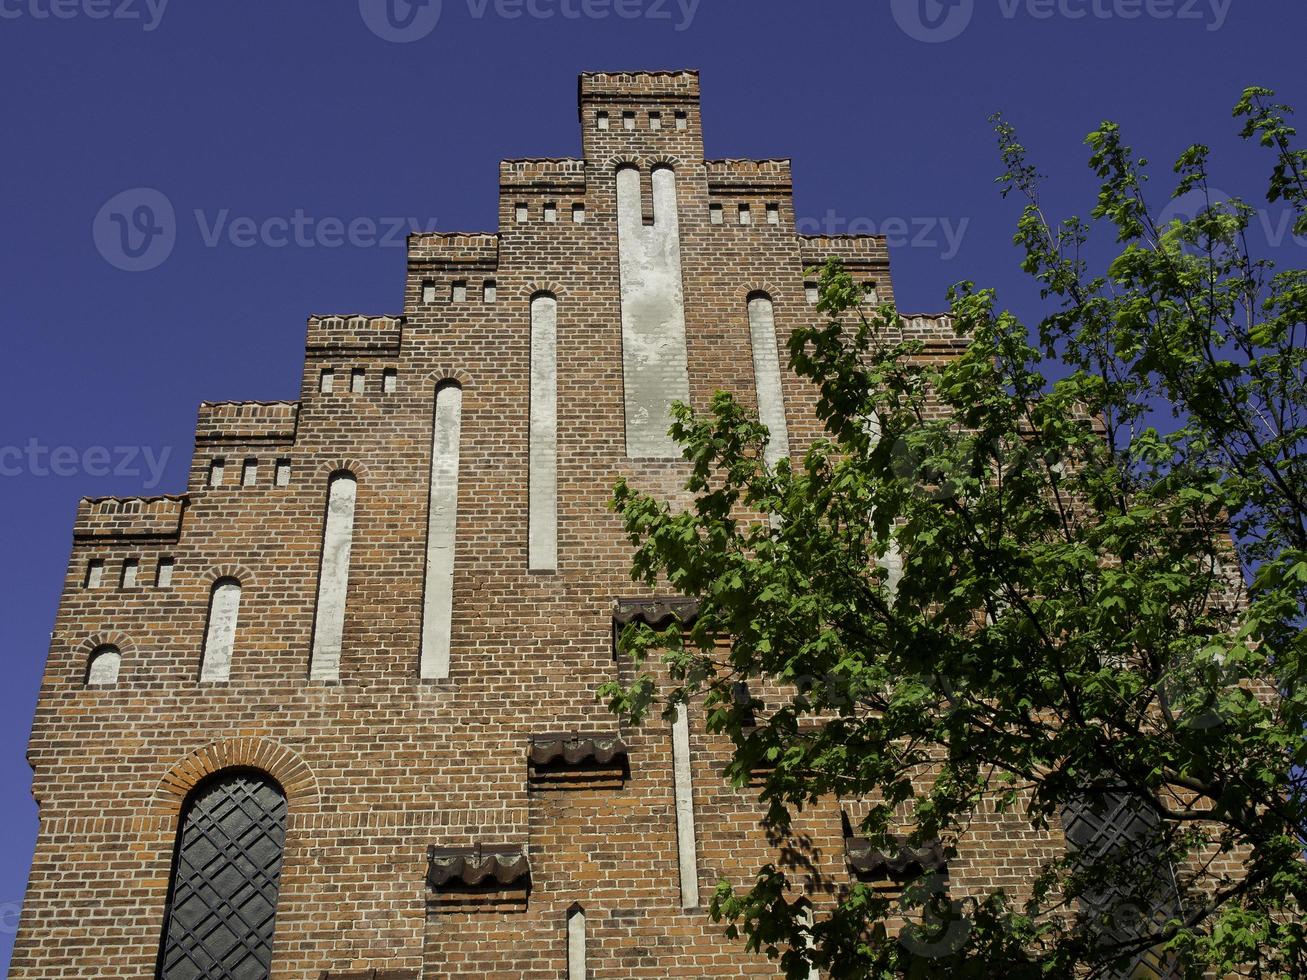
column 267, row 110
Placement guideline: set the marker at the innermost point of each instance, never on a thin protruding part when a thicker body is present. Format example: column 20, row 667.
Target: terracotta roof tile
column 473, row 866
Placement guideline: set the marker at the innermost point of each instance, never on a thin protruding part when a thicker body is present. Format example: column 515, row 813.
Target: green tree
column 1102, row 529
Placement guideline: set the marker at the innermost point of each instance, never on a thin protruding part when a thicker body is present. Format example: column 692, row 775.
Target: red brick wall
column 380, row 766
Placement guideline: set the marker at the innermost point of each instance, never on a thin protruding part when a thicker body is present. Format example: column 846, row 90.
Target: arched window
column 102, row 668
column 442, row 530
column 333, row 579
column 655, row 370
column 542, row 523
column 222, row 900
column 220, row 636
column 767, row 376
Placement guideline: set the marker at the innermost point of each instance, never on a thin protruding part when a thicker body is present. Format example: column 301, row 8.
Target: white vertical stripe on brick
column 576, row 969
column 542, row 530
column 442, row 523
column 767, row 377
column 684, row 783
column 220, row 638
column 808, row 942
column 333, row 579
column 892, row 562
column 653, row 313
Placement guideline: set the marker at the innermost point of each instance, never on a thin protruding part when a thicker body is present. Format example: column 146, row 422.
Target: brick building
column 334, row 708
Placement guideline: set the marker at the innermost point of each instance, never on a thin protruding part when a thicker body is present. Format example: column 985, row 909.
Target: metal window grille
column 222, row 902
column 1136, row 892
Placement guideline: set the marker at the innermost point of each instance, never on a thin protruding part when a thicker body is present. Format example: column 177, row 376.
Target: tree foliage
column 1101, row 524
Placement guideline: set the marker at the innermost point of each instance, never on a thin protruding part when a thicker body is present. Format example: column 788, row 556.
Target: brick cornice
column 252, row 752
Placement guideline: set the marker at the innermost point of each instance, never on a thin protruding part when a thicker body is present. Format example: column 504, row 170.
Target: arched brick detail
column 616, row 163
column 664, row 160
column 450, row 373
column 239, row 572
column 538, row 286
column 280, row 762
column 751, row 288
column 333, row 466
column 106, row 638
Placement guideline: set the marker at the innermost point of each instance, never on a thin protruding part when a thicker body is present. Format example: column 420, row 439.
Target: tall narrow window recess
column 217, row 470
column 333, row 580
column 163, row 574
column 653, row 313
column 94, row 574
column 809, row 942
column 283, row 473
column 489, row 291
column 601, row 121
column 428, row 292
column 687, row 849
column 326, row 381
column 249, row 472
column 458, row 292
column 220, row 636
column 102, row 669
column 576, row 966
column 222, row 901
column 767, row 377
column 773, row 214
column 543, row 519
column 442, row 526
column 358, row 380
column 130, row 567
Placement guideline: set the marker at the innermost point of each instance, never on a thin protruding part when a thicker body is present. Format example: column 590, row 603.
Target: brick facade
column 381, row 766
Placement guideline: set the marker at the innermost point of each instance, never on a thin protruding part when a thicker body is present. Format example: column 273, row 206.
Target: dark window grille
column 1136, row 893
column 222, row 902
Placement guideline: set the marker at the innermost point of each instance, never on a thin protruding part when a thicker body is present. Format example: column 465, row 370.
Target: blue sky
column 273, row 114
